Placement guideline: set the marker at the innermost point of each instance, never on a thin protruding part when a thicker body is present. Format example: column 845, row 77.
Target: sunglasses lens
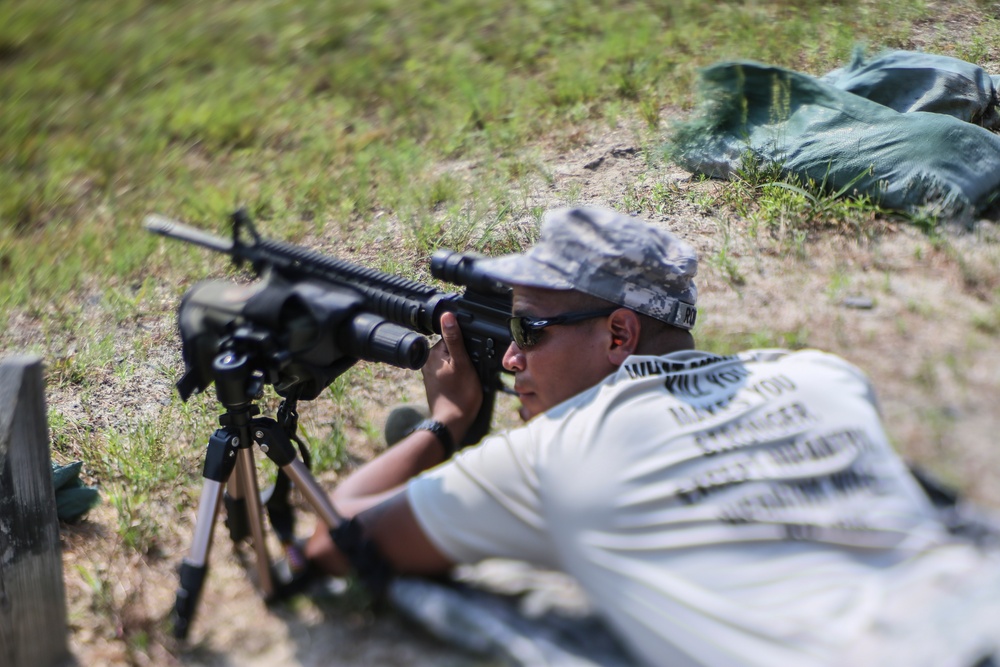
column 522, row 333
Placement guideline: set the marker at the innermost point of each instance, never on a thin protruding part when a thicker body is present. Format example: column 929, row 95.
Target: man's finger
column 452, row 335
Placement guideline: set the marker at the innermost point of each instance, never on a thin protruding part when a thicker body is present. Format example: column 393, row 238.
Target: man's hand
column 375, row 492
column 454, row 394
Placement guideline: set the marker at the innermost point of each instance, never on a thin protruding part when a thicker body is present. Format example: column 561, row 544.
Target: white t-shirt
column 740, row 510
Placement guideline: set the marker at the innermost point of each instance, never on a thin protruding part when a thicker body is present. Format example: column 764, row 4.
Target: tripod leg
column 236, row 511
column 219, row 463
column 247, row 477
column 363, row 555
column 195, row 565
column 313, row 493
column 276, row 444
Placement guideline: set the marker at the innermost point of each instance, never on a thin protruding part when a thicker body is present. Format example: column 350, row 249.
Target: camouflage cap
column 615, row 257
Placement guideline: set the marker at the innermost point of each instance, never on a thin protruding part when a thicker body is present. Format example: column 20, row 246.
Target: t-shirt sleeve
column 485, row 502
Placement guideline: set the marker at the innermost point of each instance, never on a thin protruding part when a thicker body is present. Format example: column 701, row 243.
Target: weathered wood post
column 32, row 598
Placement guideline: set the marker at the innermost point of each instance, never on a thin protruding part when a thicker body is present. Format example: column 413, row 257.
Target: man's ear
column 624, row 326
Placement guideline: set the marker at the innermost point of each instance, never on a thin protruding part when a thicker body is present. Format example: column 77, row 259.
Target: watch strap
column 440, row 431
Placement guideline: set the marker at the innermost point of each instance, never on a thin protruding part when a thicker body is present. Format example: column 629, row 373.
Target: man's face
column 567, row 359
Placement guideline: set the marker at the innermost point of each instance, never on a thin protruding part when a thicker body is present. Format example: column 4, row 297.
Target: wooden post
column 32, row 598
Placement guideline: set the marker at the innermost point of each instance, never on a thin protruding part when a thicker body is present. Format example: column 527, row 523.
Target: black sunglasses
column 527, row 331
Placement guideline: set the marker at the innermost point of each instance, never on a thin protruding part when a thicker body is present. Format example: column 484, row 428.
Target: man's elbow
column 401, row 540
column 396, row 534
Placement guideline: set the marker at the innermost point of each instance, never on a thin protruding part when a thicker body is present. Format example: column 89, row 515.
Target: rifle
column 308, row 319
column 313, row 316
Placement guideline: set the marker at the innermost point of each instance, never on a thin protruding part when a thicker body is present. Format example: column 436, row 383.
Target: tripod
column 230, row 470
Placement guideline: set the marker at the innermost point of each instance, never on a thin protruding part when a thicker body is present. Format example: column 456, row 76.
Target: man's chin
column 527, row 410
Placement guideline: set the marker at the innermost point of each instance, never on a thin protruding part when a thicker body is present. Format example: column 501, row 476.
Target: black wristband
column 439, row 430
column 372, row 568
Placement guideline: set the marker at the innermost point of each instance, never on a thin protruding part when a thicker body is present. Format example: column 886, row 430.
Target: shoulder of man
column 803, row 356
column 816, row 363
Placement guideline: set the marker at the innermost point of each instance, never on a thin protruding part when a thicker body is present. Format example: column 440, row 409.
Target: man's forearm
column 383, row 476
column 392, row 526
column 377, row 492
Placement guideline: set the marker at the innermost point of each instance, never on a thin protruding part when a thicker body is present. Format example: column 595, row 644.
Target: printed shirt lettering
column 752, row 451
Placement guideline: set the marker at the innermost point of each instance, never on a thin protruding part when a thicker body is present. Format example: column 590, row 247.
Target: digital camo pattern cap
column 612, row 256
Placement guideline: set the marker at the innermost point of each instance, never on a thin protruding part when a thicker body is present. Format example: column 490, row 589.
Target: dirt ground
column 926, row 335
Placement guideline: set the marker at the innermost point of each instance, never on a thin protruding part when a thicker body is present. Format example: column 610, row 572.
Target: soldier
column 718, row 510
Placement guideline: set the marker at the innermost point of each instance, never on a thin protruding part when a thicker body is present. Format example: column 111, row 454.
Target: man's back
column 719, row 511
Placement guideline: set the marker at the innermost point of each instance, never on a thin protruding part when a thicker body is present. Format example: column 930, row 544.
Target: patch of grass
column 725, row 262
column 69, row 438
column 838, row 285
column 138, row 469
column 789, row 208
column 731, row 342
column 102, row 599
column 988, row 322
column 329, row 452
column 82, row 363
column 310, row 113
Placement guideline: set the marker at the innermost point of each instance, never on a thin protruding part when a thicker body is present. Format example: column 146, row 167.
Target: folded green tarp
column 912, row 81
column 903, row 128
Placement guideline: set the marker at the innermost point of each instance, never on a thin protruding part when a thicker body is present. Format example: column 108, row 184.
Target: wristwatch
column 439, row 430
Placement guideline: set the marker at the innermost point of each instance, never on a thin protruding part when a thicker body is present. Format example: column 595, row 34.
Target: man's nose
column 513, row 358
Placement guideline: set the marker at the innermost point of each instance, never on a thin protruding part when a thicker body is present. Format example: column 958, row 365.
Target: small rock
column 859, row 302
column 624, row 152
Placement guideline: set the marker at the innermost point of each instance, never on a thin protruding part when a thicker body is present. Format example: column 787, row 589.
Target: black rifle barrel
column 397, row 299
column 178, row 230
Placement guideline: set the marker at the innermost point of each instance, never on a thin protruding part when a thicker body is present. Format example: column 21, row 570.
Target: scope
column 460, row 269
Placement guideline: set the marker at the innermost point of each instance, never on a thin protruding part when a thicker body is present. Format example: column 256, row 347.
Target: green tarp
column 905, row 128
column 73, row 498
